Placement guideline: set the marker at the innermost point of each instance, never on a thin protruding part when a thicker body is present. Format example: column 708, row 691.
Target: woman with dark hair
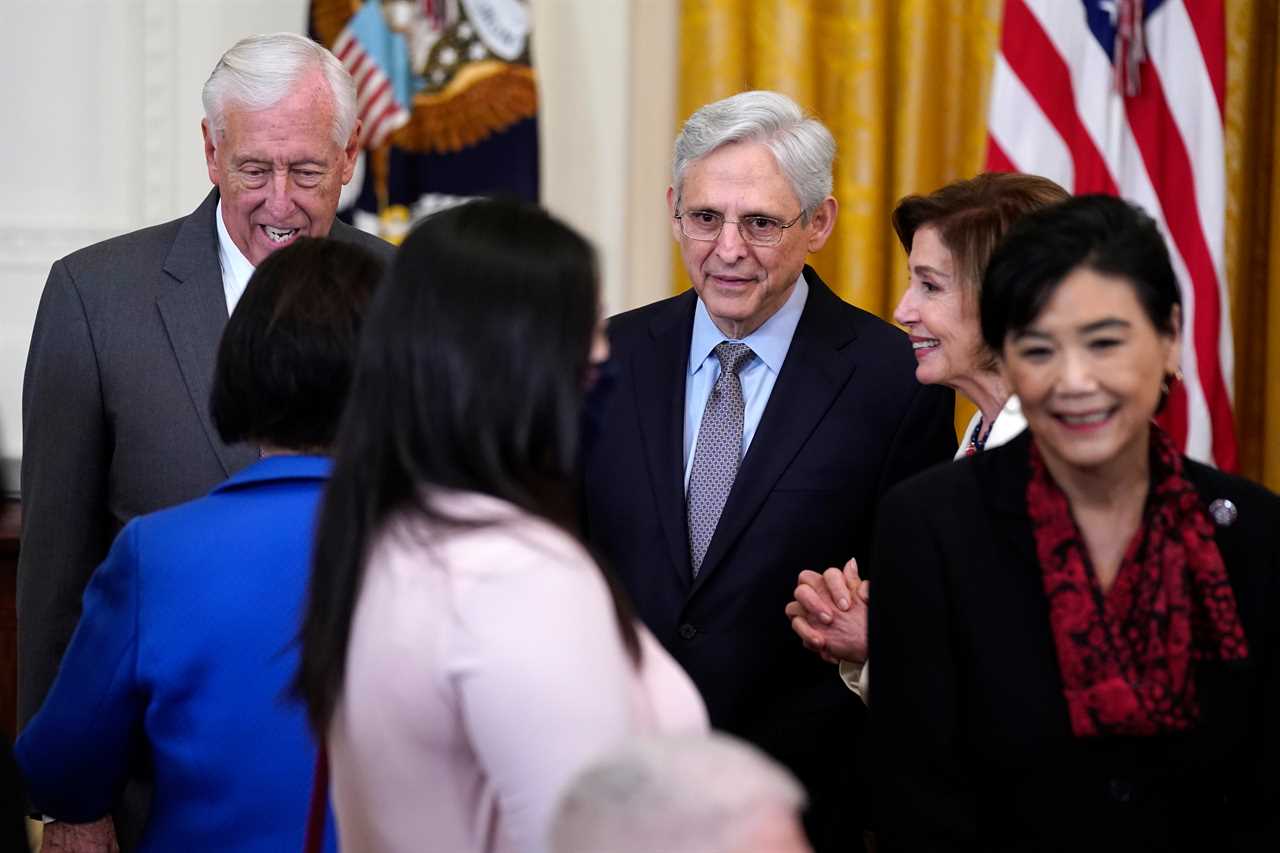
column 462, row 652
column 183, row 651
column 1077, row 649
column 948, row 236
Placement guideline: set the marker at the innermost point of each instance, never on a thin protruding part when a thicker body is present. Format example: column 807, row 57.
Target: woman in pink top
column 463, row 654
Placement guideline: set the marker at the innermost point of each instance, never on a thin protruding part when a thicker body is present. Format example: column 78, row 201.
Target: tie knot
column 732, row 356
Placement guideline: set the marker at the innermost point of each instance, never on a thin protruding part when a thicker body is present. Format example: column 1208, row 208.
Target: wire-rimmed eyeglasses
column 757, row 230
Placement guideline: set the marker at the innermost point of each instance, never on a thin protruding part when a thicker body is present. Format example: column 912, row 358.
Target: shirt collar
column 236, row 268
column 770, row 342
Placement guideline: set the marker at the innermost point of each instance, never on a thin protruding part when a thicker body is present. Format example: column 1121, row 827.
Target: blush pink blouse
column 485, row 669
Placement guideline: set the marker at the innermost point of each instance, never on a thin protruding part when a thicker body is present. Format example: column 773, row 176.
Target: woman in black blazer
column 1076, row 634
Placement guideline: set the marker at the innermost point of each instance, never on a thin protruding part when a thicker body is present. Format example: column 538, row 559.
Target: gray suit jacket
column 115, row 413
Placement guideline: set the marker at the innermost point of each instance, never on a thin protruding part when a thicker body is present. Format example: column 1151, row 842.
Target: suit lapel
column 819, row 363
column 1002, row 474
column 660, row 377
column 194, row 312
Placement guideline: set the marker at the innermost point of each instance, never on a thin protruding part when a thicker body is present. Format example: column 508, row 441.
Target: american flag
column 368, row 50
column 1126, row 98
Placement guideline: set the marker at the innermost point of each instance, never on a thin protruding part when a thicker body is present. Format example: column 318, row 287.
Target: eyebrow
column 1086, row 329
column 292, row 164
column 1102, row 325
column 925, row 268
column 692, row 208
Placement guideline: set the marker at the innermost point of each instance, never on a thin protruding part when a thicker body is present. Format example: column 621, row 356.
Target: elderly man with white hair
column 682, row 794
column 116, row 416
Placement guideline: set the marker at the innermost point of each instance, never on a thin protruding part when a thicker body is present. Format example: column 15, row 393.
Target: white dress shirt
column 236, row 268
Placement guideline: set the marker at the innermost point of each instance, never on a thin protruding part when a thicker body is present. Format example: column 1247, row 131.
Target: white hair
column 676, row 794
column 801, row 144
column 259, row 71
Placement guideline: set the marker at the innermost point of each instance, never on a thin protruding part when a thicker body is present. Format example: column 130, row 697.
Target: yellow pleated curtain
column 903, row 86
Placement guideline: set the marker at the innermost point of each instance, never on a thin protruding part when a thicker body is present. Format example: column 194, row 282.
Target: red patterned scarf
column 1127, row 657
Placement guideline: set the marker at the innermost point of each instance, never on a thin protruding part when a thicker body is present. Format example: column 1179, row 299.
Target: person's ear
column 349, row 154
column 1173, row 342
column 672, row 201
column 821, row 223
column 210, row 151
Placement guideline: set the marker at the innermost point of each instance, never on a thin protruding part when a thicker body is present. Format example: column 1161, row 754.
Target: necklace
column 977, row 441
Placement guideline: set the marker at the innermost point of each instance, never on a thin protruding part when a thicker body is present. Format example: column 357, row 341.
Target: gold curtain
column 1253, row 230
column 903, row 85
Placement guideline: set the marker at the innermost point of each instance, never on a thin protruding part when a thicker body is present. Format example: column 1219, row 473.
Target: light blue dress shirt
column 770, row 343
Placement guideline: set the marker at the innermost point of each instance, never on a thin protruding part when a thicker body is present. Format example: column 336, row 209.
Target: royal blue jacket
column 182, row 659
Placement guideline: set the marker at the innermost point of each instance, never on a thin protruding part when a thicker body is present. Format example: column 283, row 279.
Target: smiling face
column 1088, row 372
column 744, row 285
column 939, row 314
column 278, row 171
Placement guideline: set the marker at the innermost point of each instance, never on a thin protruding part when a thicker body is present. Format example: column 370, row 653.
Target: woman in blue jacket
column 184, row 649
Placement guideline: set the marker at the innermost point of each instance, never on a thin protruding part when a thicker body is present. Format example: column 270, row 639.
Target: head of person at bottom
column 1082, row 304
column 949, row 235
column 682, row 794
column 288, row 350
column 281, row 137
column 750, row 198
column 473, row 368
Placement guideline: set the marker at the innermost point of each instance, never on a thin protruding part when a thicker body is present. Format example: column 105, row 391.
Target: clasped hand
column 829, row 612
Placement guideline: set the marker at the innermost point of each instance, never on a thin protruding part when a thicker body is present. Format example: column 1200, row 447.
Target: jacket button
column 688, row 632
column 1120, row 791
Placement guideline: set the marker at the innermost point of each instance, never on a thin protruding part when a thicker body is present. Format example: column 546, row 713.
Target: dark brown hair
column 972, row 216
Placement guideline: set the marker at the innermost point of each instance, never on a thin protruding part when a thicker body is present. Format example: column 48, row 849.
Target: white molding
column 158, row 125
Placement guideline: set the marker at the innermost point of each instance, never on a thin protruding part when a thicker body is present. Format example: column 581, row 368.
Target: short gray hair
column 677, row 794
column 259, row 71
column 801, row 144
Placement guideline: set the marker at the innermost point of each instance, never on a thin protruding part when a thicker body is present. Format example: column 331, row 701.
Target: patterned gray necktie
column 719, row 450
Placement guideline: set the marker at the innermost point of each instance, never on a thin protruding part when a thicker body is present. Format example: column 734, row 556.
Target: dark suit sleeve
column 74, row 754
column 65, row 458
column 923, row 797
column 925, row 437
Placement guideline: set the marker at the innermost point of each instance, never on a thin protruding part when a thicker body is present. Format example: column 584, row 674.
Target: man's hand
column 96, row 837
column 830, row 613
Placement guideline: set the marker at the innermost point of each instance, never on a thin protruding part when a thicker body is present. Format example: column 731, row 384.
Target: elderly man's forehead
column 745, row 167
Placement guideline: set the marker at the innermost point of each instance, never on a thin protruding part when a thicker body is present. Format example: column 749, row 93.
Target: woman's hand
column 830, row 613
column 96, row 837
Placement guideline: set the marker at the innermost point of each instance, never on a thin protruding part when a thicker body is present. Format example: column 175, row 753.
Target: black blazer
column 846, row 420
column 975, row 750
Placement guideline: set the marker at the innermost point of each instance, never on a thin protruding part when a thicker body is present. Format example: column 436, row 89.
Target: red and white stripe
column 376, row 105
column 1059, row 109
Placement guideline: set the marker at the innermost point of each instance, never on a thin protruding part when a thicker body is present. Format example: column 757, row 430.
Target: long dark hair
column 470, row 376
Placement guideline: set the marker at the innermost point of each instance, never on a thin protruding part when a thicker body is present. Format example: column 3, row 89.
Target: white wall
column 103, row 136
column 606, row 72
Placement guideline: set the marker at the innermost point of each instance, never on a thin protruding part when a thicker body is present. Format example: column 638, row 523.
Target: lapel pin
column 1224, row 512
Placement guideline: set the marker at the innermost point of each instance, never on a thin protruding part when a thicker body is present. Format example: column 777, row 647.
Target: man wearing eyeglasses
column 756, row 421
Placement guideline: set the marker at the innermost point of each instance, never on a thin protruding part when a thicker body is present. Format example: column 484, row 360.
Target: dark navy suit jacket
column 846, row 420
column 184, row 653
